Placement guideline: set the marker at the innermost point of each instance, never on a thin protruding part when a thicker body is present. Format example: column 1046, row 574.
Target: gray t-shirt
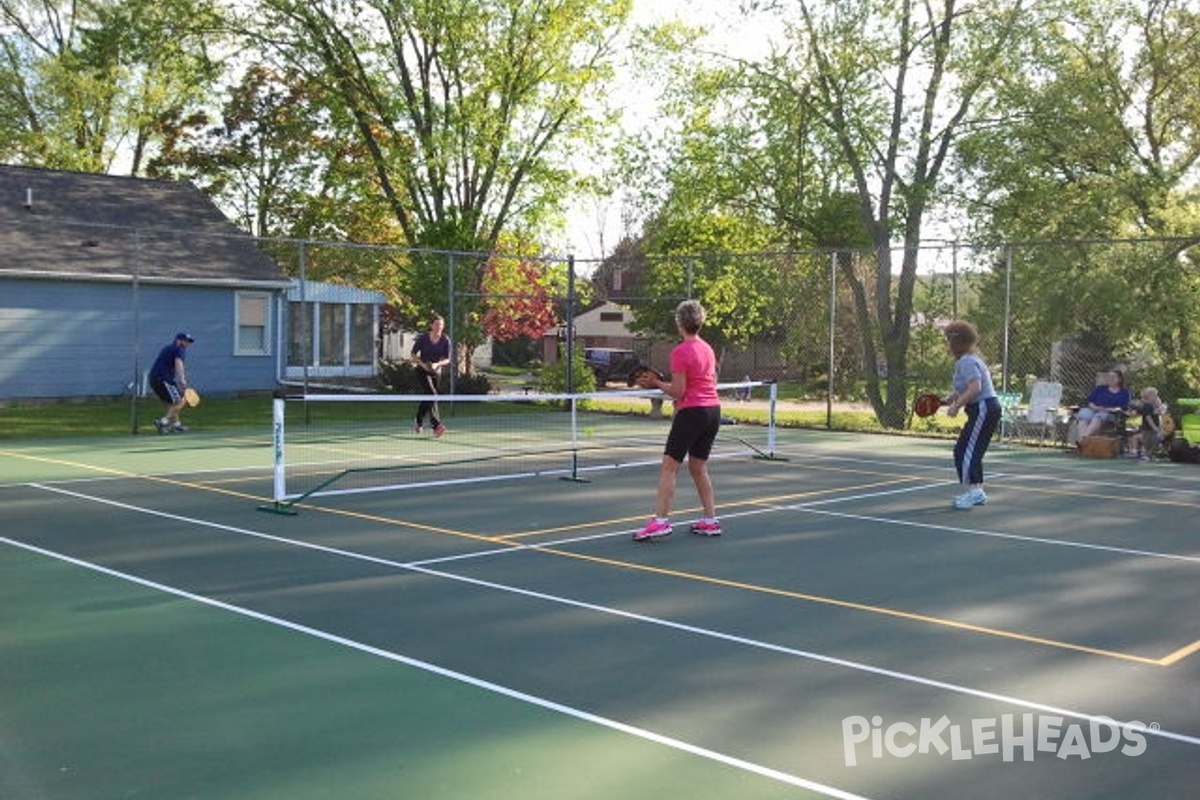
column 970, row 367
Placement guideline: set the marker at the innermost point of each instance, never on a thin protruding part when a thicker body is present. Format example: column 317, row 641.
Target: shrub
column 554, row 376
column 477, row 383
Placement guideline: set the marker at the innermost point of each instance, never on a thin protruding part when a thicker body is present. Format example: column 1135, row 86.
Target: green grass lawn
column 117, row 417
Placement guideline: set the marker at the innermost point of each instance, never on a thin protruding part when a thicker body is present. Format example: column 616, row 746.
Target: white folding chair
column 1041, row 415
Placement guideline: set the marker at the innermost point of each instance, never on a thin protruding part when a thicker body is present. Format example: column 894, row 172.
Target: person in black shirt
column 430, row 353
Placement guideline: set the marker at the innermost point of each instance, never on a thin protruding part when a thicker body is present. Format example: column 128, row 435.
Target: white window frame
column 240, row 349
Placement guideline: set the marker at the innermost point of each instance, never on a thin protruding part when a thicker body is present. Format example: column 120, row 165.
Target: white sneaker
column 970, row 499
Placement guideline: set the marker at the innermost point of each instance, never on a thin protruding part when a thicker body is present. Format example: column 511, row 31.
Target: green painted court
column 850, row 634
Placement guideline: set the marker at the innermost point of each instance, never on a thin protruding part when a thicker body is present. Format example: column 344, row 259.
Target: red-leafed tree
column 519, row 299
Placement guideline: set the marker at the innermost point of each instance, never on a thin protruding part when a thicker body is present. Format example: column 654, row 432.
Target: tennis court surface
column 850, row 634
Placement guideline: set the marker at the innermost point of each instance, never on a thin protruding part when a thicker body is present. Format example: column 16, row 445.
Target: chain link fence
column 834, row 327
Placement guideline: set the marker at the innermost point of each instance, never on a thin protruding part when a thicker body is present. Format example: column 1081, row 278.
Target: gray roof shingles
column 103, row 226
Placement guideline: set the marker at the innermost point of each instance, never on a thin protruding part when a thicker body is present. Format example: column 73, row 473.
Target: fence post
column 136, row 395
column 1008, row 270
column 832, row 355
column 569, row 375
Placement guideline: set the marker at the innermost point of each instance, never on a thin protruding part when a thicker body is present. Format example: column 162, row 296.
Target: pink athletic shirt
column 696, row 359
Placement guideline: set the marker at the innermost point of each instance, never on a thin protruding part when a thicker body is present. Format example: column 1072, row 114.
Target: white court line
column 1146, row 481
column 534, row 700
column 719, row 635
column 1125, row 551
column 810, row 507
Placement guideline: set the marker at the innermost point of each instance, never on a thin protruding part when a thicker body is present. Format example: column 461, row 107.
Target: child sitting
column 1151, row 407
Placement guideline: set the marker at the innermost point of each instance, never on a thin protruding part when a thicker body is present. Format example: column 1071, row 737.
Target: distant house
column 98, row 272
column 607, row 325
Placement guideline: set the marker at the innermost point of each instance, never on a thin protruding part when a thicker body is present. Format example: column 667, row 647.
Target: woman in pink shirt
column 693, row 387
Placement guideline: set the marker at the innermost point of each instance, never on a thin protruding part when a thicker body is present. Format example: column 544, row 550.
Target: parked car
column 610, row 363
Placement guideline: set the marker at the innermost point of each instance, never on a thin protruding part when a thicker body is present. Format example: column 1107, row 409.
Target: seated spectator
column 1151, row 407
column 1104, row 404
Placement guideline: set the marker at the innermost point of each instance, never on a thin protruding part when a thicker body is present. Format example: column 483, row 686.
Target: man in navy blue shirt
column 168, row 379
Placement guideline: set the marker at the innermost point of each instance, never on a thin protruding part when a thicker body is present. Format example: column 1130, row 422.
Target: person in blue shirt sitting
column 1103, row 404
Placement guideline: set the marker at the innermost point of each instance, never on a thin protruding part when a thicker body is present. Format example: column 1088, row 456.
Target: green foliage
column 554, row 376
column 865, row 95
column 464, row 109
column 85, row 86
column 475, row 383
column 739, row 293
column 400, row 377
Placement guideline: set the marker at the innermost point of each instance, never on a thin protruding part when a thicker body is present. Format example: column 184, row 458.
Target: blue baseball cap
column 187, row 337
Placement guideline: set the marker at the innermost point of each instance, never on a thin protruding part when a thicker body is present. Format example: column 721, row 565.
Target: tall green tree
column 1100, row 140
column 896, row 85
column 863, row 100
column 465, row 111
column 91, row 85
column 278, row 162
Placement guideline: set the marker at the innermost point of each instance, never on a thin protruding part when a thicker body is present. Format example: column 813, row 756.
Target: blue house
column 98, row 272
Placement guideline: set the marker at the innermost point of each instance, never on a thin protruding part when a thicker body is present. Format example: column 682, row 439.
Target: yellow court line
column 1180, row 654
column 889, row 612
column 243, row 495
column 880, row 610
column 120, row 473
column 761, row 501
column 61, row 463
column 478, row 537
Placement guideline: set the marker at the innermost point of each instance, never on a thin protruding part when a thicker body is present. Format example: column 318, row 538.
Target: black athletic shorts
column 167, row 391
column 693, row 431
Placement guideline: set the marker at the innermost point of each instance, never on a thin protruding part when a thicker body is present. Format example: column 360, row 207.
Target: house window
column 332, row 338
column 362, row 334
column 300, row 324
column 252, row 310
column 331, row 330
column 612, row 316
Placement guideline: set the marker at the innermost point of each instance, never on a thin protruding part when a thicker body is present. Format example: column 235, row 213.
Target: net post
column 574, row 476
column 770, row 454
column 279, row 503
column 774, row 395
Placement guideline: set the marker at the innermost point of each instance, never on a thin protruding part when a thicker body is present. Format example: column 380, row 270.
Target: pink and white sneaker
column 707, row 527
column 655, row 529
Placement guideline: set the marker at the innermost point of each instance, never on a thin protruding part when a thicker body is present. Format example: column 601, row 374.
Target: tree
column 1101, row 140
column 464, row 111
column 463, row 107
column 518, row 299
column 91, row 85
column 262, row 158
column 860, row 100
column 895, row 86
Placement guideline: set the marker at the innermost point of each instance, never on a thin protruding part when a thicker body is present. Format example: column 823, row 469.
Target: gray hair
column 690, row 315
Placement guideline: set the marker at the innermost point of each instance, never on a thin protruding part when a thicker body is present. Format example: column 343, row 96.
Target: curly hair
column 961, row 336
